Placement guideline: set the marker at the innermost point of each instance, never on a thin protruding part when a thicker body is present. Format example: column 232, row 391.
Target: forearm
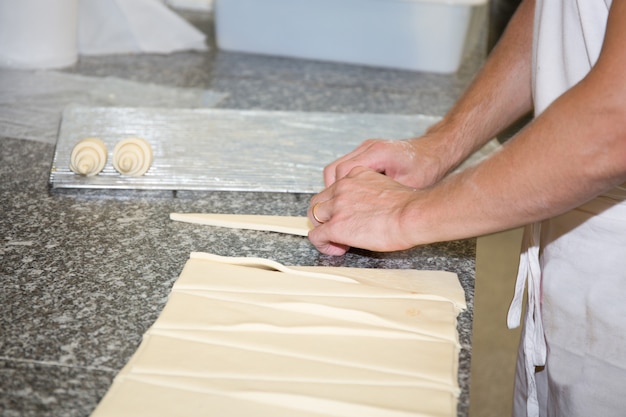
column 555, row 164
column 498, row 96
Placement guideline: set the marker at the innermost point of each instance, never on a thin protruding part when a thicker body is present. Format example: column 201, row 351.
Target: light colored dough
column 431, row 285
column 88, row 157
column 132, row 157
column 423, row 319
column 434, row 285
column 242, row 337
column 413, row 361
column 175, row 395
column 292, row 225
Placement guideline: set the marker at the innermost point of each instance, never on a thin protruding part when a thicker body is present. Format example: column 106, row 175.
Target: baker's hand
column 363, row 209
column 417, row 163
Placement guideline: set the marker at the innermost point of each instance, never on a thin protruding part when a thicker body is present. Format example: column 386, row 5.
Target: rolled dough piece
column 292, row 225
column 88, row 157
column 132, row 157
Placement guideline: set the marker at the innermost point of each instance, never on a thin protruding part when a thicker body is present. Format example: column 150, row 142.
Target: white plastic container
column 38, row 34
column 420, row 35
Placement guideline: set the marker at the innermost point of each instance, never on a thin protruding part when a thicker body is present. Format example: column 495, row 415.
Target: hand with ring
column 364, row 209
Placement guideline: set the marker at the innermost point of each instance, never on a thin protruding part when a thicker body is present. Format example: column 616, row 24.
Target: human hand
column 416, row 163
column 363, row 209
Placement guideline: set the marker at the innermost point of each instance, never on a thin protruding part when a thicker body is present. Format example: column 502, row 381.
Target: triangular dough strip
column 292, row 225
column 204, row 310
column 440, row 284
column 193, row 312
column 426, row 360
column 201, row 274
column 411, row 399
column 157, row 396
column 426, row 316
column 433, row 285
column 166, row 355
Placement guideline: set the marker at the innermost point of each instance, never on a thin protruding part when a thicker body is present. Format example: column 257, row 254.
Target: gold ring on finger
column 315, row 215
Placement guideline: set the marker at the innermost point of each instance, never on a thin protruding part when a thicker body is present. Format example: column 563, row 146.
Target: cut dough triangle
column 282, row 224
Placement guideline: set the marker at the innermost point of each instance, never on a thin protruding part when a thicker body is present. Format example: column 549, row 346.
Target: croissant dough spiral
column 132, row 157
column 88, row 157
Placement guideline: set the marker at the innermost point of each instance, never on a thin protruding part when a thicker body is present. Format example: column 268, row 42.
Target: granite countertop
column 85, row 273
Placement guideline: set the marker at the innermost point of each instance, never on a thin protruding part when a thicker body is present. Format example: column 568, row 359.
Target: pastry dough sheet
column 249, row 336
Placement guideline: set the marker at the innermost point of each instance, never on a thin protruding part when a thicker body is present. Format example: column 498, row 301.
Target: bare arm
column 498, row 96
column 575, row 150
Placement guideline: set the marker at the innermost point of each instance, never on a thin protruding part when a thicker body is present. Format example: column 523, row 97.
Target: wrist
column 413, row 220
column 442, row 152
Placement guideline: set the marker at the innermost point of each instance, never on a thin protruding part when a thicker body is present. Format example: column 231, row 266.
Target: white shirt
column 575, row 264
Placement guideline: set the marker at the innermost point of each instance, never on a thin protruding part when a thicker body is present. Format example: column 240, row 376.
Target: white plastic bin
column 38, row 33
column 420, row 35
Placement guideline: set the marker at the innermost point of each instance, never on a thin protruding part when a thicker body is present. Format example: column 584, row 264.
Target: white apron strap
column 533, row 344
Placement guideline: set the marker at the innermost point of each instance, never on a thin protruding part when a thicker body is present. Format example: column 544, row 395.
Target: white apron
column 572, row 359
column 577, row 307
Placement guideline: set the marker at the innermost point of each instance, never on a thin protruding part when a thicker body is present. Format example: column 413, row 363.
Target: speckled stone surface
column 85, row 273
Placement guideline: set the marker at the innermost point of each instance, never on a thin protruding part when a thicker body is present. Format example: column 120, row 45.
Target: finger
column 318, row 212
column 369, row 158
column 321, row 205
column 333, row 171
column 318, row 238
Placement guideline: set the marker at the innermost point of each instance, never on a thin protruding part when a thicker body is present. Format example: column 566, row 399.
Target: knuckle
column 355, row 171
